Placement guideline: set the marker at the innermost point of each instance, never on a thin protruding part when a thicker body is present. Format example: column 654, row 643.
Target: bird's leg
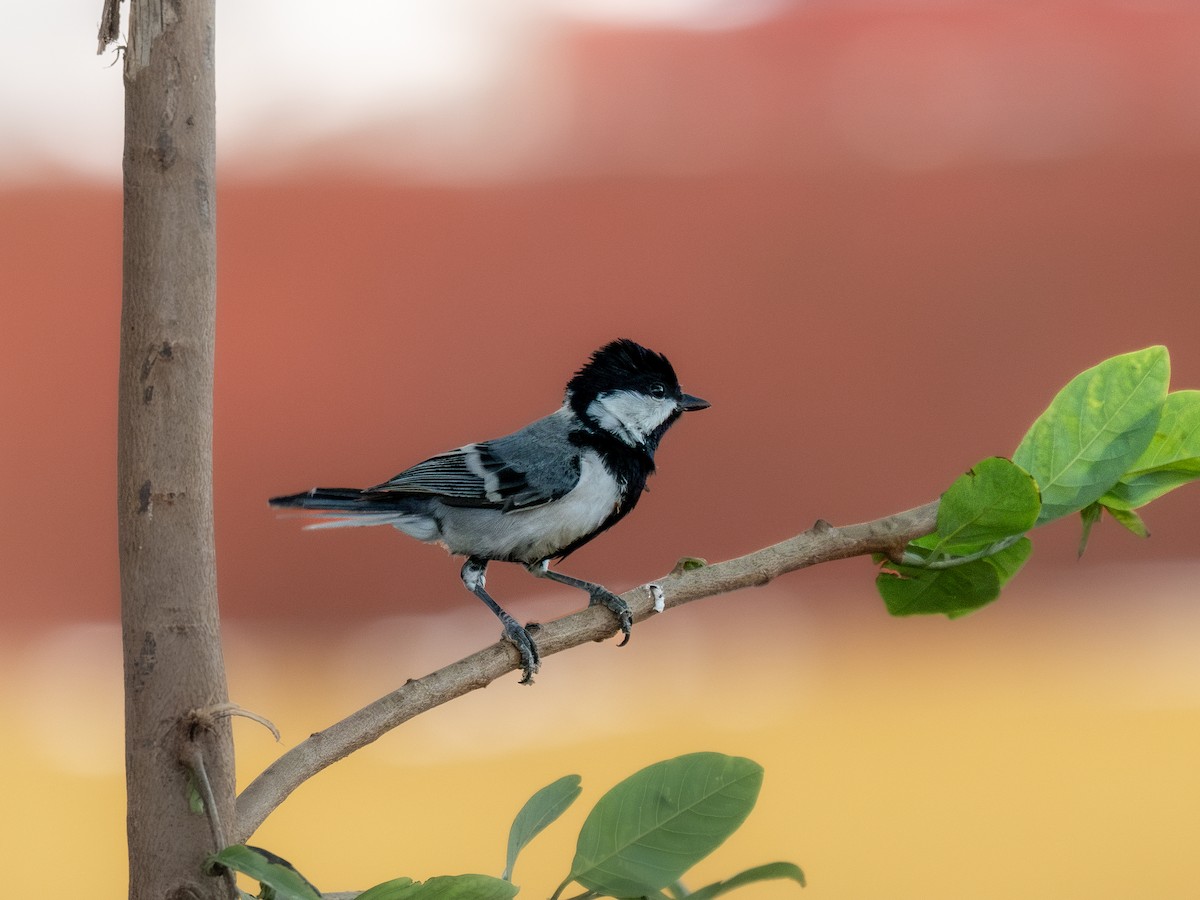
column 473, row 576
column 600, row 596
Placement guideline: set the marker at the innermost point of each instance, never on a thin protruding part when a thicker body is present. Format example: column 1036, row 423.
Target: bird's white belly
column 531, row 535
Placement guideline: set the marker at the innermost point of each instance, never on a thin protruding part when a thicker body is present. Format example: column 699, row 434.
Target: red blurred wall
column 865, row 328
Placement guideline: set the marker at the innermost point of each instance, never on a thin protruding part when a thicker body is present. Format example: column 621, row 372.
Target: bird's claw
column 519, row 638
column 619, row 608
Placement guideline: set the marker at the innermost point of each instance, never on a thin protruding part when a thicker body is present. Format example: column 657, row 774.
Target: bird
column 538, row 494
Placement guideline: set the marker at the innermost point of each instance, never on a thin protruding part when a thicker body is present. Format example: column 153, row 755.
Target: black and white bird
column 537, row 494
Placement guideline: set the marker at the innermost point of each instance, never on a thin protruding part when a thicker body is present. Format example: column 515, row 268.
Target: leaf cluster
column 636, row 843
column 1112, row 440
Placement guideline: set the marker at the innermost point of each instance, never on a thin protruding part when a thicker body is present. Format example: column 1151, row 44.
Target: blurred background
column 878, row 235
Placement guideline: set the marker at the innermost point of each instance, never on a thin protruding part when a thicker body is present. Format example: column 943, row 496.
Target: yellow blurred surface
column 1043, row 748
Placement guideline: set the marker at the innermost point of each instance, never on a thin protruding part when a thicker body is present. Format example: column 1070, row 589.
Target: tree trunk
column 172, row 650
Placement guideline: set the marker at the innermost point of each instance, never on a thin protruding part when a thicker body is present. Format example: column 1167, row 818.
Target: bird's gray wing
column 528, row 468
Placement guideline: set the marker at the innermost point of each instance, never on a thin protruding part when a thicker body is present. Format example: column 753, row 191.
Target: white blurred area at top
column 462, row 91
column 444, row 90
column 436, row 89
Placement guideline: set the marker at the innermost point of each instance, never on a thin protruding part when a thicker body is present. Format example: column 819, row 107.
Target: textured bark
column 172, row 650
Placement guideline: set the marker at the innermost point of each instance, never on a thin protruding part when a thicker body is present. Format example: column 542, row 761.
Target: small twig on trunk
column 110, row 25
column 821, row 543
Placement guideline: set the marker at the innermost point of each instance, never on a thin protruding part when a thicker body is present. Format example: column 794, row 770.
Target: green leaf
column 925, row 542
column 1094, row 430
column 443, row 887
column 1130, row 521
column 388, row 890
column 1008, row 562
column 1171, row 459
column 464, row 887
column 995, row 499
column 539, row 811
column 271, row 871
column 655, row 825
column 1139, row 488
column 769, row 872
column 924, row 590
column 911, row 591
column 1089, row 516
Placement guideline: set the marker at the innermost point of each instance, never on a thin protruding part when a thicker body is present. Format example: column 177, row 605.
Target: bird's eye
column 658, row 390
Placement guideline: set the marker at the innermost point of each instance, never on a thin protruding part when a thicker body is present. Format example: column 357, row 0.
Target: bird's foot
column 618, row 607
column 520, row 638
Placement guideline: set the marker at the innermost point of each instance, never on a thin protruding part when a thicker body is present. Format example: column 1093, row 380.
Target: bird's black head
column 631, row 393
column 623, row 365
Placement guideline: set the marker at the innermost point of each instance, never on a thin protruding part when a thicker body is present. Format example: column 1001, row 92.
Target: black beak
column 688, row 403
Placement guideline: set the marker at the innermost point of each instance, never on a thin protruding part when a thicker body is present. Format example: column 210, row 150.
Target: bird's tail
column 348, row 500
column 346, row 507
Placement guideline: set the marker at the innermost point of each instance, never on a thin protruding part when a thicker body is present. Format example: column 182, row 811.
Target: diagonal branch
column 821, row 543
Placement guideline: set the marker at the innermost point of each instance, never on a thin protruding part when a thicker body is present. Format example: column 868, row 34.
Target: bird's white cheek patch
column 630, row 416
